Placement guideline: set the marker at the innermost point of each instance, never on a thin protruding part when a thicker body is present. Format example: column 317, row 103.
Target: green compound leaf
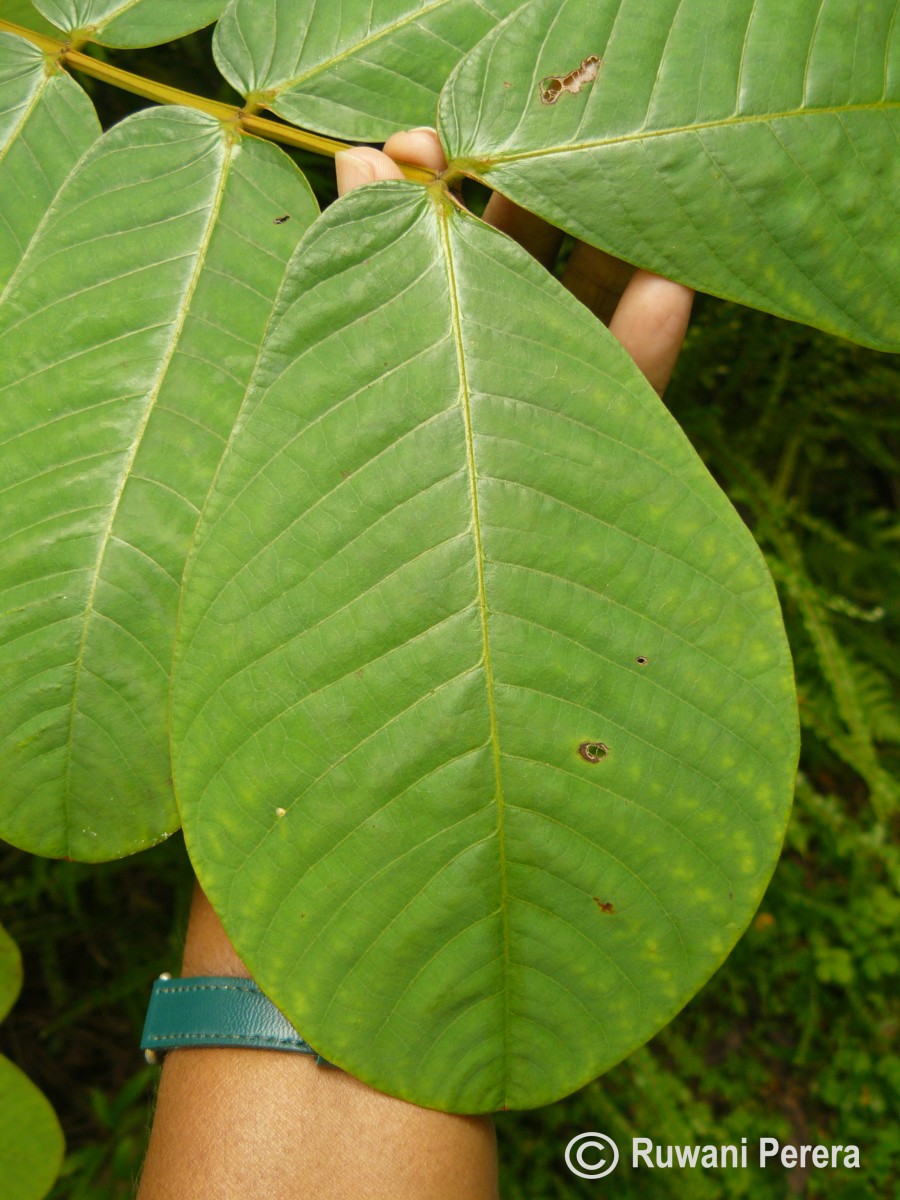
column 129, row 22
column 10, row 972
column 46, row 124
column 31, row 1141
column 354, row 69
column 127, row 339
column 484, row 724
column 748, row 149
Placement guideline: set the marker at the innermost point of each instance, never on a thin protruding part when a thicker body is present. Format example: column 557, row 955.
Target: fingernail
column 352, row 170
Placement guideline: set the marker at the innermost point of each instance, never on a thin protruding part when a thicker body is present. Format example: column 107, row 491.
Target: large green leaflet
column 129, row 22
column 748, row 149
column 31, row 1141
column 483, row 716
column 46, row 124
column 127, row 339
column 359, row 69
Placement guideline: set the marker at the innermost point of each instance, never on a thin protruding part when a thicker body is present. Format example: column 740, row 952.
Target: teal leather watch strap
column 206, row 1010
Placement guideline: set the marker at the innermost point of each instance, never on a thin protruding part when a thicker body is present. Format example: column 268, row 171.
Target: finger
column 361, row 165
column 597, row 279
column 533, row 233
column 650, row 322
column 419, row 147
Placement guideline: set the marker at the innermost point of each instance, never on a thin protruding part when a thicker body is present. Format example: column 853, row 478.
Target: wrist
column 207, row 947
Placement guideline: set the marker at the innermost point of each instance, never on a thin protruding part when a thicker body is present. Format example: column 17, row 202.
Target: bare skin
column 274, row 1125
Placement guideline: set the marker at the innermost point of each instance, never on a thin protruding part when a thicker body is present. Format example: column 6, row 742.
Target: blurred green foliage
column 92, row 940
column 796, row 1037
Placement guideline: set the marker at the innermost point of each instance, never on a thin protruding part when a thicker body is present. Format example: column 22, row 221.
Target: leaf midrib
column 100, row 26
column 356, row 47
column 643, row 135
column 125, row 475
column 29, row 108
column 443, row 213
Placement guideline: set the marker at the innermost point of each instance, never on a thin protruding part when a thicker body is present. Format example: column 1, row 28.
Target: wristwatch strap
column 206, row 1010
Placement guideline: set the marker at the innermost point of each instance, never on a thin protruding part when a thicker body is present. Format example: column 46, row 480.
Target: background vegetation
column 796, row 1036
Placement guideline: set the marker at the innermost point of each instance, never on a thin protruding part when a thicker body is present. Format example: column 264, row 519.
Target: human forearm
column 265, row 1123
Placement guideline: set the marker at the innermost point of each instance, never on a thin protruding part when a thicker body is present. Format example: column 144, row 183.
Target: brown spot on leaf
column 593, row 752
column 603, row 905
column 641, row 661
column 281, row 220
column 552, row 86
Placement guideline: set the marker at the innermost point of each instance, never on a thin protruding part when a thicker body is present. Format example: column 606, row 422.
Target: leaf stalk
column 66, row 55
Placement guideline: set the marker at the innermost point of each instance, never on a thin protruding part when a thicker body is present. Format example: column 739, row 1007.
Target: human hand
column 647, row 313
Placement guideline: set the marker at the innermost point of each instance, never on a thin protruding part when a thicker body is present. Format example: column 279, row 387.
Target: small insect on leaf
column 593, row 751
column 553, row 86
column 281, row 220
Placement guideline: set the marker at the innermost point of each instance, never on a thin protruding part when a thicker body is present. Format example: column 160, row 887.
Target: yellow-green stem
column 249, row 122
